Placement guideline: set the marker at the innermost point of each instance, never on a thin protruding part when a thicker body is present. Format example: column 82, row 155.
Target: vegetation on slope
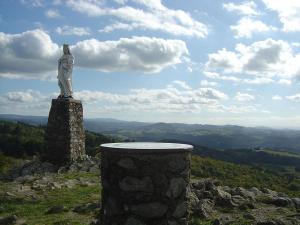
column 236, row 175
column 22, row 140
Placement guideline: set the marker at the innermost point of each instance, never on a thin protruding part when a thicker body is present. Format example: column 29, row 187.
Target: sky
column 207, row 62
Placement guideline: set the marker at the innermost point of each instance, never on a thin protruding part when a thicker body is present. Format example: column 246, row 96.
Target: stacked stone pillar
column 145, row 183
column 65, row 137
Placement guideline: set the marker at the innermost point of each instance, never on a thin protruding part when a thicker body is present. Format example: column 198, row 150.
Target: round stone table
column 145, row 183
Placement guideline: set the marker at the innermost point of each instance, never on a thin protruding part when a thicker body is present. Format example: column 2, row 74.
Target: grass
column 237, row 175
column 34, row 211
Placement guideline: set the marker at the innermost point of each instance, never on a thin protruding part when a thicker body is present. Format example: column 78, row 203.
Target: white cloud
column 295, row 98
column 241, row 109
column 276, row 98
column 244, row 97
column 52, row 13
column 118, row 26
column 169, row 99
column 30, row 54
column 144, row 54
column 208, row 83
column 246, row 26
column 152, row 15
column 288, row 12
column 33, row 55
column 28, row 102
column 27, row 97
column 246, row 8
column 285, row 82
column 69, row 30
column 181, row 84
column 266, row 58
column 226, row 77
column 258, row 80
column 296, row 44
column 217, row 76
column 33, row 3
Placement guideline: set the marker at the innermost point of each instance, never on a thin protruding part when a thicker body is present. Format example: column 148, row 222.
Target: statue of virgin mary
column 65, row 68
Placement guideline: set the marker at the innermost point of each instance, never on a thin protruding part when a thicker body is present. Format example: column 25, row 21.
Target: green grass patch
column 34, row 212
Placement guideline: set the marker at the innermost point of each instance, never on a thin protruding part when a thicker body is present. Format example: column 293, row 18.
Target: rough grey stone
column 296, row 201
column 172, row 222
column 133, row 221
column 177, row 185
column 139, row 182
column 223, row 198
column 56, row 209
column 150, row 210
column 8, row 220
column 126, row 163
column 65, row 136
column 180, row 210
column 177, row 163
column 86, row 207
column 204, row 209
column 244, row 193
column 135, row 184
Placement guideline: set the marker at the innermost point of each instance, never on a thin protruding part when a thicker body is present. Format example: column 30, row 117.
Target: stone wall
column 65, row 137
column 145, row 189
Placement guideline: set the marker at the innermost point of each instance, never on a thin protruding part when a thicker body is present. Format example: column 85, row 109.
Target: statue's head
column 66, row 49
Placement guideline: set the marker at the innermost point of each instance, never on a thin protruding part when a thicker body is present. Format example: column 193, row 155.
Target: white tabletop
column 147, row 146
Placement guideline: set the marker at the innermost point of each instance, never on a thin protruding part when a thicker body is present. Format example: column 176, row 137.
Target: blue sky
column 209, row 62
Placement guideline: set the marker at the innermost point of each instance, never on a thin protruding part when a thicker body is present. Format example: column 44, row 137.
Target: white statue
column 65, row 68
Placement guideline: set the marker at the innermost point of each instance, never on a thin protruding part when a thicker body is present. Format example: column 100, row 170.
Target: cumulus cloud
column 217, row 76
column 169, row 99
column 244, row 97
column 129, row 54
column 33, row 55
column 69, row 30
column 276, row 98
column 25, row 102
column 246, row 26
column 246, row 8
column 27, row 96
column 288, row 12
column 52, row 13
column 179, row 83
column 266, row 58
column 258, row 80
column 150, row 15
column 30, row 54
column 294, row 98
column 226, row 77
column 208, row 83
column 118, row 26
column 285, row 82
column 33, row 3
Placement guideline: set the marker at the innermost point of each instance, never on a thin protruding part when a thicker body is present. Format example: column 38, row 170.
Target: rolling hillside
column 217, row 137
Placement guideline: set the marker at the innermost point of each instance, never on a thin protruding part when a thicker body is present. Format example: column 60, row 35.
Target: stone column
column 65, row 137
column 145, row 183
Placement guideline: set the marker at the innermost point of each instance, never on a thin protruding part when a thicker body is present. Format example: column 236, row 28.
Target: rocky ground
column 38, row 193
column 225, row 205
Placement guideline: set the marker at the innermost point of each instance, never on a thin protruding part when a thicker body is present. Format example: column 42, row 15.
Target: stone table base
column 145, row 183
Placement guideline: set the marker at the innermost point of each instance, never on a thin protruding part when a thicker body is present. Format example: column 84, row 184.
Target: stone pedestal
column 65, row 137
column 145, row 183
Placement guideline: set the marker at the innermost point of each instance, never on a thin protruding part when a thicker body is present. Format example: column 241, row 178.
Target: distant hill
column 211, row 136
